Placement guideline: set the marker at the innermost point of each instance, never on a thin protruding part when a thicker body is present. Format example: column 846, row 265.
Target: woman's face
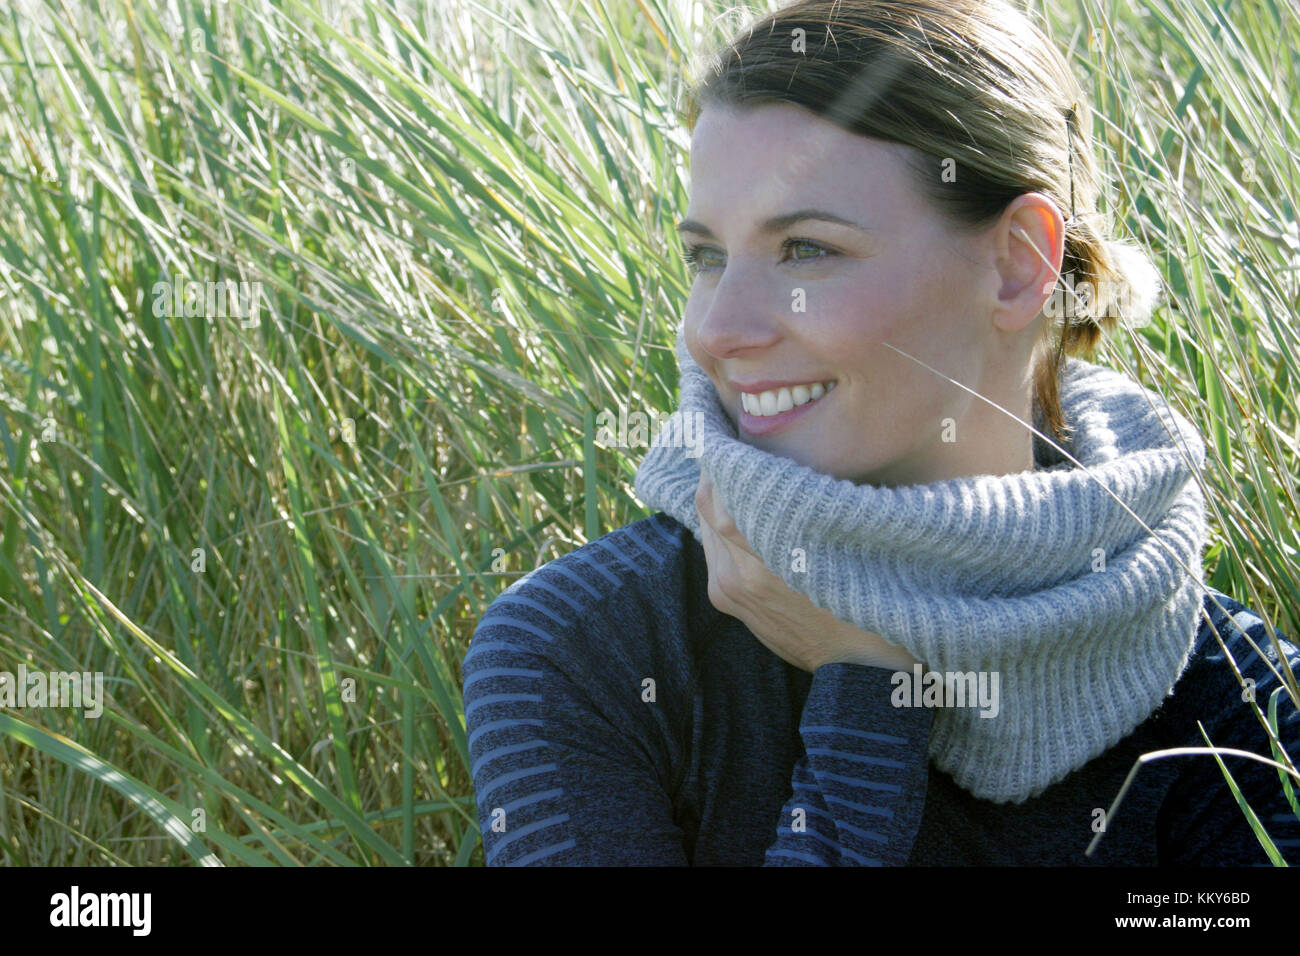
column 812, row 302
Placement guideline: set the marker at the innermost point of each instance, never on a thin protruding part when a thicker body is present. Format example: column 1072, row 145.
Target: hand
column 788, row 623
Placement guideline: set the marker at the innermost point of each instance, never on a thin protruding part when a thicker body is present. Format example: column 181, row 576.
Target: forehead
column 775, row 154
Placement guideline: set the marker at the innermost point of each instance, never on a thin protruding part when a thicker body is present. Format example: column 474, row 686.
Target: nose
column 739, row 314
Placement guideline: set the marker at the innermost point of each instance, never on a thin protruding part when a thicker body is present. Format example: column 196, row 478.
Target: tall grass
column 275, row 537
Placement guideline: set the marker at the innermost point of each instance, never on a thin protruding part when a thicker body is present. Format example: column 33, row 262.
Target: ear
column 1029, row 244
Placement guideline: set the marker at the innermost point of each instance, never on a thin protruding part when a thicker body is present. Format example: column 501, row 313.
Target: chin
column 799, row 454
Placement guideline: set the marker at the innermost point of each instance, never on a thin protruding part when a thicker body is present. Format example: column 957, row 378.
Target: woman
column 877, row 619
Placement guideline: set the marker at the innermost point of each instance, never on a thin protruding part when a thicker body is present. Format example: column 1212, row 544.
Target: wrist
column 890, row 663
column 869, row 650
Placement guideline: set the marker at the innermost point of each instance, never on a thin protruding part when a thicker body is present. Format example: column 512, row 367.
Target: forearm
column 859, row 791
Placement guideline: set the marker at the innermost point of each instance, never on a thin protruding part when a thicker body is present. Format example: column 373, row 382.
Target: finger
column 736, row 566
column 704, row 499
column 720, row 517
column 726, row 527
column 725, row 543
column 720, row 573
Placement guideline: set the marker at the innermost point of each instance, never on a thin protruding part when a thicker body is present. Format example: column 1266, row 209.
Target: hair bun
column 1134, row 284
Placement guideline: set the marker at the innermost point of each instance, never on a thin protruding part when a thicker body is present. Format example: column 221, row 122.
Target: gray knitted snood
column 999, row 574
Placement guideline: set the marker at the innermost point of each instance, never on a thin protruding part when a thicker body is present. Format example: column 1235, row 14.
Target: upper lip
column 771, row 385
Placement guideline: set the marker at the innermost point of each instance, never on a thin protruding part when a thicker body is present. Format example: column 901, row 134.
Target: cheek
column 910, row 308
column 853, row 319
column 916, row 305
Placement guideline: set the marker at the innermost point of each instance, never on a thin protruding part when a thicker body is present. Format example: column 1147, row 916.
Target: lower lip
column 767, row 424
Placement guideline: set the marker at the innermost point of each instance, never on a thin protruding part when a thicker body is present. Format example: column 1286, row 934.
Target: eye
column 808, row 244
column 696, row 256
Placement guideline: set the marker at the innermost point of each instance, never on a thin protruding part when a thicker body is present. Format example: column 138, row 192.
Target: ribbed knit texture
column 989, row 573
column 614, row 717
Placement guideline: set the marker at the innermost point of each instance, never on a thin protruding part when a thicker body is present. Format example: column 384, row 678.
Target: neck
column 984, row 441
column 990, row 574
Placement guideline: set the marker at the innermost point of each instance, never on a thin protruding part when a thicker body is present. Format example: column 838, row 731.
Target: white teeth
column 776, row 401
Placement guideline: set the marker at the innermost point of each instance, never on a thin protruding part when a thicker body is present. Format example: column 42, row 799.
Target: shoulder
column 610, row 599
column 1202, row 822
column 578, row 705
column 1231, row 633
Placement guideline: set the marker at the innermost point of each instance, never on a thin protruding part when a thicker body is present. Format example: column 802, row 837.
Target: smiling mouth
column 779, row 400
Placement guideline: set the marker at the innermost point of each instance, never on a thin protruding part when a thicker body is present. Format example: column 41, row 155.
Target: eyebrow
column 777, row 223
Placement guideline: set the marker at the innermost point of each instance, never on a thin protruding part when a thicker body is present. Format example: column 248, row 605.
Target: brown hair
column 970, row 86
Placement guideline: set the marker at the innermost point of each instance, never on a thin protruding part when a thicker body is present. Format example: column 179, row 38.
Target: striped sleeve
column 1201, row 822
column 572, row 717
column 557, row 780
column 859, row 789
column 572, row 766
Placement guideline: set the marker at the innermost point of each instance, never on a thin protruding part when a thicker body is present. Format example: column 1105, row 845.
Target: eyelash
column 691, row 254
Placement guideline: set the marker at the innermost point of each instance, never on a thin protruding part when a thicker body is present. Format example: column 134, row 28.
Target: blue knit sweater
column 615, row 717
